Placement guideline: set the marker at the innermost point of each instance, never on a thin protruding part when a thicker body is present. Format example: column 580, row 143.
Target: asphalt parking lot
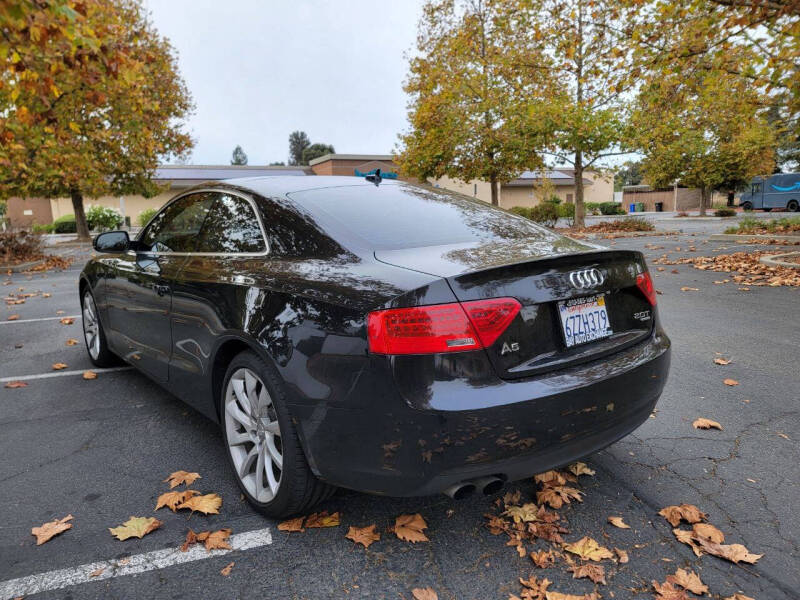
column 99, row 450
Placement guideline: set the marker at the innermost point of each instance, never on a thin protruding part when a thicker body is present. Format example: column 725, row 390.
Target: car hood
column 454, row 259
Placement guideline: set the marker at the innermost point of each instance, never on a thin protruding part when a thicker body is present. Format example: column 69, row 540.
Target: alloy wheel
column 91, row 326
column 253, row 435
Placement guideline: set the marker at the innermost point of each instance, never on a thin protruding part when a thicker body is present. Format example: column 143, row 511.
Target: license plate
column 584, row 319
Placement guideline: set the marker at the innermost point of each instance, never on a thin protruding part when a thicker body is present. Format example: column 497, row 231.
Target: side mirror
column 112, row 241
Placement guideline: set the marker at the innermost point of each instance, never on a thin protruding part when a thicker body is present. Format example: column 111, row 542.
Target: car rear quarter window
column 231, row 227
column 392, row 216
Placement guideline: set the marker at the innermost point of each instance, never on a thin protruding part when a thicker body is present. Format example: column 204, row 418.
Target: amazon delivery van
column 779, row 191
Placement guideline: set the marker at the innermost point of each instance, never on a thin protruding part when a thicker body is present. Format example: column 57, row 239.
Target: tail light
column 645, row 283
column 453, row 327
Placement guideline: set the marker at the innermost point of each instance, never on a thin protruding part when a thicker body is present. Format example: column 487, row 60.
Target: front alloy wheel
column 93, row 333
column 253, row 435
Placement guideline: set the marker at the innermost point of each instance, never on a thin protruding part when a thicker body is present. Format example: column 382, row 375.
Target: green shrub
column 148, row 213
column 103, row 218
column 553, row 200
column 567, row 211
column 725, row 212
column 48, row 228
column 65, row 224
column 592, row 208
column 786, row 225
column 544, row 214
column 522, row 211
column 611, row 208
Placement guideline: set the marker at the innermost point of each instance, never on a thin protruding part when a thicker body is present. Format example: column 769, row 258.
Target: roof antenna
column 376, row 178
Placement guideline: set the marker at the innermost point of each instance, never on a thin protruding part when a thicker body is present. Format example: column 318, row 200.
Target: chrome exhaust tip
column 489, row 485
column 461, row 490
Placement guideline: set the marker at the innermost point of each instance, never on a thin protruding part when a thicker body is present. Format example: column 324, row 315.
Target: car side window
column 175, row 229
column 232, row 227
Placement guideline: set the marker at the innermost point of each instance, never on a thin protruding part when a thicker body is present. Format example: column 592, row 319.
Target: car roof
column 282, row 185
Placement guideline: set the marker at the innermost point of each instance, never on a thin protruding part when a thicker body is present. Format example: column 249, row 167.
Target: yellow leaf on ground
column 363, row 535
column 735, row 553
column 709, row 532
column 618, row 522
column 594, row 572
column 588, row 549
column 553, row 478
column 12, row 317
column 226, row 570
column 15, row 384
column 207, row 504
column 409, row 528
column 218, row 540
column 89, row 375
column 556, row 496
column 424, row 594
column 179, row 477
column 322, row 519
column 72, row 342
column 534, row 588
column 667, row 591
column 543, row 558
column 580, row 468
column 292, row 525
column 522, row 514
column 622, row 555
column 560, row 596
column 59, row 366
column 171, row 500
column 67, row 321
column 135, row 527
column 51, row 529
column 721, row 361
column 703, row 423
column 730, row 382
column 688, row 580
column 97, row 572
column 686, row 288
column 688, row 512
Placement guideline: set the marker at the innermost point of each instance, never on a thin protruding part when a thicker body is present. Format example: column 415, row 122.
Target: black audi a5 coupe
column 377, row 335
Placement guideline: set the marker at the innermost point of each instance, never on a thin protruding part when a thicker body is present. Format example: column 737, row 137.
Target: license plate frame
column 584, row 320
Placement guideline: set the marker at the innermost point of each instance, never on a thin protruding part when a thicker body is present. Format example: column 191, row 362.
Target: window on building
column 569, row 198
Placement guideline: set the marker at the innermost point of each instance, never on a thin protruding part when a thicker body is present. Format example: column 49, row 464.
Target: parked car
column 377, row 335
column 781, row 191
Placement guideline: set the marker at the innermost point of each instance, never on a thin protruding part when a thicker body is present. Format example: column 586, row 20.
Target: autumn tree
column 238, row 157
column 298, row 141
column 468, row 113
column 704, row 126
column 90, row 100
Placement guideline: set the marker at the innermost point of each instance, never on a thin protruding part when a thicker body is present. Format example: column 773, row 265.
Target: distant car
column 781, row 191
column 379, row 336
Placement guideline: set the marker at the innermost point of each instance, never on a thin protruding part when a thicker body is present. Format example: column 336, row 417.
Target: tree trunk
column 580, row 209
column 80, row 216
column 493, row 182
column 705, row 193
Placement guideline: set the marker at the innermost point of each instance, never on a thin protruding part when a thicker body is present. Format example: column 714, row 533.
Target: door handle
column 161, row 290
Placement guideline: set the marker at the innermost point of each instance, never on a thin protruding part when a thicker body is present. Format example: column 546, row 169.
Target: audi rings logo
column 586, row 278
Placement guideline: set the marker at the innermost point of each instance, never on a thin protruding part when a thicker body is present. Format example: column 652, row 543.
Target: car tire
column 766, row 209
column 93, row 334
column 747, row 206
column 793, row 206
column 270, row 467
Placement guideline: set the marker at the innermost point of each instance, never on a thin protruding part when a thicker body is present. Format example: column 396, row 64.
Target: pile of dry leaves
column 749, row 270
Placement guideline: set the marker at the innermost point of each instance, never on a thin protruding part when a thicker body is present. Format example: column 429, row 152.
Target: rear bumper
column 473, row 426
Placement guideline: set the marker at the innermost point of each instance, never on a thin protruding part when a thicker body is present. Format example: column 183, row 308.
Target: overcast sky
column 258, row 70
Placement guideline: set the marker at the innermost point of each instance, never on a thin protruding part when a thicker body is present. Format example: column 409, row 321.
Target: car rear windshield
column 399, row 215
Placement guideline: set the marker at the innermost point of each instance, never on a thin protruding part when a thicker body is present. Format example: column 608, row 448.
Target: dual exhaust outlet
column 487, row 485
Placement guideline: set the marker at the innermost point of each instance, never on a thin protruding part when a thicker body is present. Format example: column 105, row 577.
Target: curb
column 627, row 234
column 774, row 260
column 21, row 267
column 734, row 237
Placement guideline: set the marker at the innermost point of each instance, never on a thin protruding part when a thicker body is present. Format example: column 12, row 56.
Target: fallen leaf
column 12, row 317
column 51, row 529
column 556, row 496
column 560, row 596
column 510, row 498
column 424, row 594
column 191, row 540
column 783, row 435
column 218, row 540
column 46, row 295
column 594, row 572
column 703, row 423
column 588, row 549
column 292, row 525
column 135, row 527
column 522, row 514
column 179, row 477
column 207, row 504
column 409, row 528
column 171, row 500
column 667, row 591
column 322, row 519
column 735, row 553
column 622, row 555
column 618, row 522
column 553, row 477
column 72, row 342
column 580, row 468
column 363, row 535
column 97, row 572
column 535, row 589
column 226, row 570
column 686, row 288
column 687, row 537
column 730, row 382
column 67, row 321
column 722, row 361
column 89, row 375
column 708, row 532
column 738, row 596
column 59, row 366
column 688, row 512
column 688, row 580
column 15, row 384
column 543, row 558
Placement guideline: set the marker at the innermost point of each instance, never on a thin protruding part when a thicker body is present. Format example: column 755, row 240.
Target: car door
column 139, row 295
column 214, row 296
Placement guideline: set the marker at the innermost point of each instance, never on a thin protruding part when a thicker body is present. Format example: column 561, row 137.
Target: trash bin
column 632, row 208
column 659, row 207
column 640, row 207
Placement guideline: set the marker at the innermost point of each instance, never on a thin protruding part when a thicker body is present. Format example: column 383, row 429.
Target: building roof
column 364, row 157
column 188, row 175
column 558, row 177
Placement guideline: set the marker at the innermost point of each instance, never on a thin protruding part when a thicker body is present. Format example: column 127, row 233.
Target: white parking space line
column 138, row 563
column 62, row 374
column 40, row 319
